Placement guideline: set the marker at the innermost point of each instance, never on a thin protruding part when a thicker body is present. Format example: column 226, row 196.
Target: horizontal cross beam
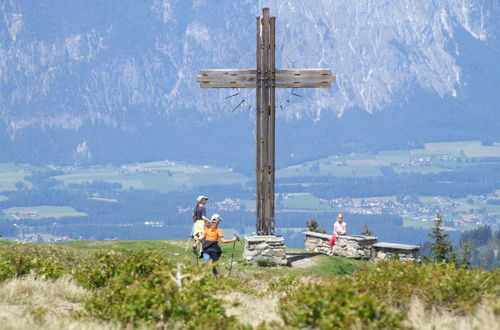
column 247, row 78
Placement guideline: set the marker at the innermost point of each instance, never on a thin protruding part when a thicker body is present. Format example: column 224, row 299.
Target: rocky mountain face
column 114, row 81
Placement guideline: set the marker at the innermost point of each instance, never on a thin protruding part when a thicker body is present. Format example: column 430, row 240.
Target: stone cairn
column 270, row 248
column 360, row 247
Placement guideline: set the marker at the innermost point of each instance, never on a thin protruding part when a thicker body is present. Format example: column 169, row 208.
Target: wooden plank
column 227, row 71
column 301, row 78
column 303, row 85
column 258, row 130
column 265, row 119
column 272, row 124
column 225, row 78
column 253, row 71
column 227, row 85
column 303, row 71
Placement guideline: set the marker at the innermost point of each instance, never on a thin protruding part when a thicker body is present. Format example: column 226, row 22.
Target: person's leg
column 207, row 258
column 214, row 270
column 332, row 243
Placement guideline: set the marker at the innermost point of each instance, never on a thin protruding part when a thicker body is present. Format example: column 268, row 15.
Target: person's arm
column 204, row 215
column 222, row 240
column 201, row 237
column 343, row 229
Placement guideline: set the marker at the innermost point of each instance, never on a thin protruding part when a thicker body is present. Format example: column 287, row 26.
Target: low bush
column 379, row 296
column 284, row 284
column 435, row 284
column 47, row 261
column 333, row 304
column 266, row 263
column 143, row 287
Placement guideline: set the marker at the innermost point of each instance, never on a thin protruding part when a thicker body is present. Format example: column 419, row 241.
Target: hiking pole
column 232, row 255
column 187, row 245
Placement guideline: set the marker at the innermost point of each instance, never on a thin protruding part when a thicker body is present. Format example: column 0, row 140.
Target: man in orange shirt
column 211, row 237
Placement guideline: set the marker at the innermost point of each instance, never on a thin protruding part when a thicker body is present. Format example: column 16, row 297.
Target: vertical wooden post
column 272, row 127
column 265, row 122
column 258, row 130
column 265, row 130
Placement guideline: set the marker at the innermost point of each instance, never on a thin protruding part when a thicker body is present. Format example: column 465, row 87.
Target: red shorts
column 332, row 240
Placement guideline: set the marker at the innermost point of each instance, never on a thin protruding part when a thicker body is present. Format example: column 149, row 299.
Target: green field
column 40, row 212
column 10, row 174
column 306, row 201
column 434, row 158
column 468, row 148
column 161, row 176
column 424, row 223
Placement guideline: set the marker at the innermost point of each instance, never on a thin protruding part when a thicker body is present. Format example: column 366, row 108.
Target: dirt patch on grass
column 303, row 259
column 253, row 310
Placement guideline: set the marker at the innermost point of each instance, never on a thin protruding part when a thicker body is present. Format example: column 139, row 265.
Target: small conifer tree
column 464, row 259
column 313, row 226
column 441, row 248
column 366, row 231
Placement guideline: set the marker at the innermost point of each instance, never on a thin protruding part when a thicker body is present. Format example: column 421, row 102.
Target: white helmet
column 201, row 197
column 215, row 218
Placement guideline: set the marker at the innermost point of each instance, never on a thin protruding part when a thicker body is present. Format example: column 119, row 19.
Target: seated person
column 339, row 228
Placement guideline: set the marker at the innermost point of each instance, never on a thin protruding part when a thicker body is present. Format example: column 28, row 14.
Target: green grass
column 160, row 176
column 175, row 249
column 303, row 201
column 10, row 174
column 421, row 170
column 417, row 223
column 43, row 212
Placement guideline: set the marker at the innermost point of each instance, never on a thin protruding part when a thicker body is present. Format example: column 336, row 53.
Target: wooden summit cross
column 265, row 78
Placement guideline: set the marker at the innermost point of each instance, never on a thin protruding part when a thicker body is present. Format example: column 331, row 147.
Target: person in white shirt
column 339, row 228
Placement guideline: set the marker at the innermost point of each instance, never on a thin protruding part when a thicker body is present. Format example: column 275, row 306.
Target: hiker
column 200, row 220
column 339, row 228
column 211, row 237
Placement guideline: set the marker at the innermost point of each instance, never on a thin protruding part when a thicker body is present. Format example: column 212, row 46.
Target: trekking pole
column 187, row 245
column 232, row 255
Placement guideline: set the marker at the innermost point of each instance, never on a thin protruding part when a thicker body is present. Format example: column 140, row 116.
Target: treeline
column 474, row 180
column 484, row 245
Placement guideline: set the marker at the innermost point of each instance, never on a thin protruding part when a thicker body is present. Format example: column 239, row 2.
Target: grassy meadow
column 162, row 176
column 41, row 212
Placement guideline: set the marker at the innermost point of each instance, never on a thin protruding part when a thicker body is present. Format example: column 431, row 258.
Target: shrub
column 439, row 284
column 314, row 226
column 47, row 261
column 266, row 263
column 103, row 266
column 333, row 304
column 378, row 297
column 143, row 287
column 284, row 284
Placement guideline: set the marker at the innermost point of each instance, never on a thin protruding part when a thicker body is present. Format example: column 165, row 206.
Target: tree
column 313, row 226
column 441, row 248
column 366, row 230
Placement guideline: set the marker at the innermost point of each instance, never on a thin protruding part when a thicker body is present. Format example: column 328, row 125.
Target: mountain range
column 114, row 81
